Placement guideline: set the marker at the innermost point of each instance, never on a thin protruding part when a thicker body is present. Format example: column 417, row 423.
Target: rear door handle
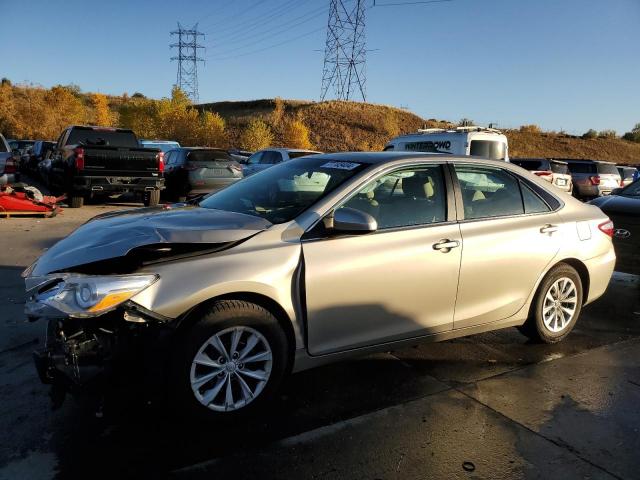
column 445, row 245
column 549, row 228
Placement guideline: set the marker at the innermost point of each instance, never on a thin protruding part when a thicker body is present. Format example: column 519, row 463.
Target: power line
column 236, row 29
column 282, row 29
column 271, row 46
column 345, row 51
column 229, row 18
column 187, row 77
column 399, row 4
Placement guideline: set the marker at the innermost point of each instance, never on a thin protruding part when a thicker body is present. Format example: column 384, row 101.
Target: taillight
column 160, row 158
column 10, row 166
column 594, row 179
column 606, row 228
column 79, row 152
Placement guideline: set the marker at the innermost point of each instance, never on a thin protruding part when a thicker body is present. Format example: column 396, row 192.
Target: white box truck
column 480, row 141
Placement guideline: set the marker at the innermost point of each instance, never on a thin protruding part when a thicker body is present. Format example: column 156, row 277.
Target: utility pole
column 187, row 78
column 345, row 51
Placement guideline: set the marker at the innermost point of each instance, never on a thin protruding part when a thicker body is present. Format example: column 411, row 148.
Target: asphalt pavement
column 487, row 406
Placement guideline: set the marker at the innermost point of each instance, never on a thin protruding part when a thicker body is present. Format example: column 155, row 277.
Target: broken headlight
column 89, row 296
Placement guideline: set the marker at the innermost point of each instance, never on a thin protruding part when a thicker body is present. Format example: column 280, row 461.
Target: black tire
column 535, row 327
column 152, row 198
column 76, row 201
column 224, row 315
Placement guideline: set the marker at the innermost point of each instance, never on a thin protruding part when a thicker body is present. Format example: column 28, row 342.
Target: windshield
column 281, row 193
column 165, row 146
column 102, row 137
column 632, row 190
column 531, row 165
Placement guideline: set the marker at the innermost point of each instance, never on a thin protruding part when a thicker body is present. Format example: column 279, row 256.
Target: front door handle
column 548, row 228
column 445, row 245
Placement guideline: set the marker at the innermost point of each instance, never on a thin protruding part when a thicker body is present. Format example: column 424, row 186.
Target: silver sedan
column 312, row 261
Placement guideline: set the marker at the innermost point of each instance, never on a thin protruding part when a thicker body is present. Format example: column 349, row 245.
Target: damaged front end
column 96, row 337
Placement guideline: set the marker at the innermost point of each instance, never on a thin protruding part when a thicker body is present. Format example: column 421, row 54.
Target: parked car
column 470, row 140
column 271, row 156
column 37, row 153
column 268, row 276
column 21, row 145
column 197, row 170
column 44, row 168
column 8, row 165
column 627, row 175
column 592, row 178
column 623, row 208
column 164, row 145
column 91, row 161
column 555, row 172
column 240, row 156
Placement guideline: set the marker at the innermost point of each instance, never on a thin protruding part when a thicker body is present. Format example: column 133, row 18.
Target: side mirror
column 350, row 220
column 616, row 191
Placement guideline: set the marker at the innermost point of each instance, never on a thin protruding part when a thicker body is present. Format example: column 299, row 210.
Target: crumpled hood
column 114, row 234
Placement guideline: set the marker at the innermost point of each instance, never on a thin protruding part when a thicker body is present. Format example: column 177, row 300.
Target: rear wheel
column 556, row 307
column 76, row 201
column 231, row 362
column 152, row 198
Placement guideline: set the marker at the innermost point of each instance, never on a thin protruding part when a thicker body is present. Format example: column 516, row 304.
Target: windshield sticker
column 341, row 165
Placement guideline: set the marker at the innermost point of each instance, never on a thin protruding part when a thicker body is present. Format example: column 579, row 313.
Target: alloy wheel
column 231, row 369
column 560, row 303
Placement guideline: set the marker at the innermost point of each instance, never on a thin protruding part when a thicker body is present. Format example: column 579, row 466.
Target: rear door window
column 532, row 202
column 271, row 157
column 489, row 149
column 488, row 192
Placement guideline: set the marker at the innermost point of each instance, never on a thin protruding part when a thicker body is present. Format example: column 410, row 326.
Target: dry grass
column 348, row 126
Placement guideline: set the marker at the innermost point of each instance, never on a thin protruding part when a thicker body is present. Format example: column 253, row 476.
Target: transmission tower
column 188, row 59
column 345, row 51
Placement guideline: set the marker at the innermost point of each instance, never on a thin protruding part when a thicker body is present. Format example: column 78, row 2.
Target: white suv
column 553, row 171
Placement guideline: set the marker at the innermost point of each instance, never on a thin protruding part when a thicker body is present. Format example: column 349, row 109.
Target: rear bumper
column 117, row 184
column 600, row 270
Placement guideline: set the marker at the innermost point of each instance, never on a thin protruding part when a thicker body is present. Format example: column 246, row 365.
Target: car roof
column 283, row 149
column 583, row 160
column 390, row 156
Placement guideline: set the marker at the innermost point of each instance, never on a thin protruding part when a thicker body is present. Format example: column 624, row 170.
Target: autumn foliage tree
column 295, row 134
column 103, row 115
column 256, row 136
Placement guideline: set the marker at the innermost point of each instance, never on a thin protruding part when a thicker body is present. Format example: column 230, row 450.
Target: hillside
column 340, row 125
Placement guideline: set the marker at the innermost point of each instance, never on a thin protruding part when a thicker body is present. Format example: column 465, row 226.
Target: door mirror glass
column 353, row 221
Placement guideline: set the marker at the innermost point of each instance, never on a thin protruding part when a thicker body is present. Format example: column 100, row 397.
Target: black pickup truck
column 98, row 161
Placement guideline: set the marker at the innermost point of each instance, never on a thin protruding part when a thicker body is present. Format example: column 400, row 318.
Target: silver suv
column 593, row 178
column 308, row 262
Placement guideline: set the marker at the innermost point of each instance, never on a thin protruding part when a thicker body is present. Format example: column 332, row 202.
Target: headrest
column 417, row 186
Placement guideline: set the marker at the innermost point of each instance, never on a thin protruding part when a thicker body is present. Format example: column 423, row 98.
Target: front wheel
column 556, row 306
column 231, row 361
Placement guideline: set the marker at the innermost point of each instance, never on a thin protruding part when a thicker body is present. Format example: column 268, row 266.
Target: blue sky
column 561, row 64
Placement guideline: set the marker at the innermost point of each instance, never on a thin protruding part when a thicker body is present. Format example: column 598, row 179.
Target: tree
column 591, row 133
column 530, row 129
column 634, row 134
column 211, row 131
column 295, row 134
column 607, row 134
column 257, row 135
column 102, row 113
column 465, row 122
